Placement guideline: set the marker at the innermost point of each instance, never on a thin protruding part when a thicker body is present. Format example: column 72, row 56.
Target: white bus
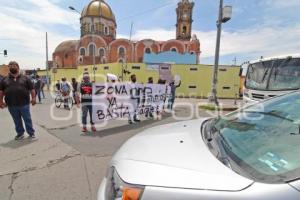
column 270, row 77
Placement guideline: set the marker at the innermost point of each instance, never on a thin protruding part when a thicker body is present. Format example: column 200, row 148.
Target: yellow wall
column 228, row 77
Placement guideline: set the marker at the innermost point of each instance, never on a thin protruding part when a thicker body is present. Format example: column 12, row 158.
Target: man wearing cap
column 85, row 89
column 111, row 78
column 16, row 89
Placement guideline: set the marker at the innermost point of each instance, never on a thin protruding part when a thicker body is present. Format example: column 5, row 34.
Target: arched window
column 106, row 31
column 82, row 51
column 92, row 28
column 101, row 52
column 121, row 60
column 92, row 50
column 148, row 50
column 173, row 49
column 184, row 30
column 121, row 51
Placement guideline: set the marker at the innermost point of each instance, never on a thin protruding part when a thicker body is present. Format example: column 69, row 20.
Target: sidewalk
column 45, row 168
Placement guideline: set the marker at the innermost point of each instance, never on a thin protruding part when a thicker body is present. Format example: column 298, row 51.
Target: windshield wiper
column 270, row 114
column 278, row 116
column 265, row 75
column 220, row 142
column 223, row 146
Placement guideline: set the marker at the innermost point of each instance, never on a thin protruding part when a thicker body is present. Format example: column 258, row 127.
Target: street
column 63, row 163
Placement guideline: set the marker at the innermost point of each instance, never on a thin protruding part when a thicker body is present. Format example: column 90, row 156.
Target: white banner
column 122, row 100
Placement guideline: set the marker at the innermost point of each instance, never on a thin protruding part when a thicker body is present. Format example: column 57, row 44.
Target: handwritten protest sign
column 121, row 100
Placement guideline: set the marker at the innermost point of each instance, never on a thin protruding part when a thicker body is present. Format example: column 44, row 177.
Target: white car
column 249, row 154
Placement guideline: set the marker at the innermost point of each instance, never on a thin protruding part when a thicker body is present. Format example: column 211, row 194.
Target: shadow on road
column 15, row 144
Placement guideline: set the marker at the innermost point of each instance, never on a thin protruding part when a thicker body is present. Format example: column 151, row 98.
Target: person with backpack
column 65, row 90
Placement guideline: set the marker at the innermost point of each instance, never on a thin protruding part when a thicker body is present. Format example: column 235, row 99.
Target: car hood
column 174, row 155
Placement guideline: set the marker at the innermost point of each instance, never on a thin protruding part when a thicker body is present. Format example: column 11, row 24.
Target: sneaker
column 84, row 130
column 32, row 136
column 137, row 120
column 130, row 122
column 94, row 129
column 159, row 117
column 19, row 137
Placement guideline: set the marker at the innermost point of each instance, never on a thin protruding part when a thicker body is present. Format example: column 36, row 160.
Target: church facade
column 98, row 43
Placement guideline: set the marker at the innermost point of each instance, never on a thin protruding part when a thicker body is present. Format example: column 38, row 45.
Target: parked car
column 249, row 154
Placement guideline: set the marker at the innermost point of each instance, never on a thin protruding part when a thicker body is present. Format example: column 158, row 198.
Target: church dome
column 98, row 8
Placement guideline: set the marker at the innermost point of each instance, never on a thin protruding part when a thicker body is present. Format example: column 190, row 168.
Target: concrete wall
column 196, row 79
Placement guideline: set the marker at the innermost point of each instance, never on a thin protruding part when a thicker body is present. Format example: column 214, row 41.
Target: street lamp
column 74, row 9
column 225, row 14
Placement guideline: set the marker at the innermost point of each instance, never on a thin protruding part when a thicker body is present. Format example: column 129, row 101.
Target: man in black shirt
column 16, row 89
column 85, row 90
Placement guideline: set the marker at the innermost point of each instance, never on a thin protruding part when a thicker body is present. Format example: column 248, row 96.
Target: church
column 98, row 43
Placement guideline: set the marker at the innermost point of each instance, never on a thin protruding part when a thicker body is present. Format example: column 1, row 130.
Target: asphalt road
column 63, row 163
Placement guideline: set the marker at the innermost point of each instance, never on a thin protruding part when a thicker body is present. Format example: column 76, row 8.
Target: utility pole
column 47, row 63
column 224, row 16
column 131, row 28
column 234, row 61
column 94, row 48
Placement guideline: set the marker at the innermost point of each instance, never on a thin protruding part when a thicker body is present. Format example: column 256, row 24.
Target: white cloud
column 23, row 31
column 283, row 4
column 266, row 41
column 42, row 12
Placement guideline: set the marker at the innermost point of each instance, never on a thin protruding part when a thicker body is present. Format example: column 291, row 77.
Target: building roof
column 67, row 46
column 98, row 8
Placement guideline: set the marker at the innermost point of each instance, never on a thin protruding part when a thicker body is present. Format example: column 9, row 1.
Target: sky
column 257, row 28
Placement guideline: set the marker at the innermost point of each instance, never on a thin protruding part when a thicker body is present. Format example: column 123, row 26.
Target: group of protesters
column 82, row 94
column 18, row 91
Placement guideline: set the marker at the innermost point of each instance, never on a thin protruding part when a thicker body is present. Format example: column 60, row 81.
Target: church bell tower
column 184, row 20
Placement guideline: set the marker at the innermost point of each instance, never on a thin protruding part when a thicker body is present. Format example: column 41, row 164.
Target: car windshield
column 264, row 139
column 286, row 77
column 280, row 74
column 257, row 75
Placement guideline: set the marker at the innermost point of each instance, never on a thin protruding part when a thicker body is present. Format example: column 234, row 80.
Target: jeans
column 43, row 93
column 87, row 108
column 171, row 103
column 38, row 93
column 18, row 113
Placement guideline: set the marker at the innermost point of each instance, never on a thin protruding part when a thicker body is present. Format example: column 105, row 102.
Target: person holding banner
column 135, row 96
column 85, row 90
column 173, row 94
column 149, row 113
